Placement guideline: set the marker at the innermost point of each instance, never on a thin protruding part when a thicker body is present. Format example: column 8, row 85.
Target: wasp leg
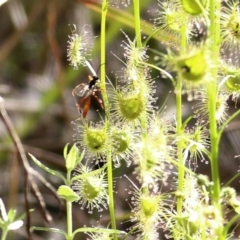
column 100, row 102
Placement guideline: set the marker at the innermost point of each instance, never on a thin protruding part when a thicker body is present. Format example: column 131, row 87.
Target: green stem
column 110, row 194
column 103, row 55
column 137, row 22
column 212, row 96
column 69, row 211
column 212, row 91
column 163, row 72
column 226, row 123
column 137, row 26
column 232, row 179
column 69, row 220
column 179, row 143
column 4, row 234
column 178, row 90
column 107, row 110
column 138, row 37
column 230, row 223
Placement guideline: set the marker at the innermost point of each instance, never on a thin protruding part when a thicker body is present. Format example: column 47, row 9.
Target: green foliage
column 8, row 220
column 159, row 147
column 67, row 194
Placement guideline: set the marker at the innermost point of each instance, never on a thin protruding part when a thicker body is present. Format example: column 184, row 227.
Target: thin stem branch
column 27, row 168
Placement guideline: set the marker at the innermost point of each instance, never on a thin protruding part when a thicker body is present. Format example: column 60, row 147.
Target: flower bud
column 192, row 68
column 130, row 105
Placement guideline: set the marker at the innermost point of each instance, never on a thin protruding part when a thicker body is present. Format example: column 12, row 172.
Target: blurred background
column 36, row 82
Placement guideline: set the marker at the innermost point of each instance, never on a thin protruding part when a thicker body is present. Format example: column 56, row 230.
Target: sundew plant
column 201, row 62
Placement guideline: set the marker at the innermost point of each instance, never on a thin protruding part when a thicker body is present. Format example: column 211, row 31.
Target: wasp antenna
column 91, row 68
column 99, row 67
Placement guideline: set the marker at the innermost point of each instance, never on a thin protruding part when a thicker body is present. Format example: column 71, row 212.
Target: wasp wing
column 81, row 90
column 86, row 106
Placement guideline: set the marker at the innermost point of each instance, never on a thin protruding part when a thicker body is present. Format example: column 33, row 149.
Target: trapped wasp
column 84, row 92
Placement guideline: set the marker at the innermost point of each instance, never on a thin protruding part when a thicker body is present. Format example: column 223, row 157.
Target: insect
column 83, row 93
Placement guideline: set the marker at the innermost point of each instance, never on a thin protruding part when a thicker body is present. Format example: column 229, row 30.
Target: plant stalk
column 179, row 126
column 106, row 104
column 212, row 96
column 69, row 210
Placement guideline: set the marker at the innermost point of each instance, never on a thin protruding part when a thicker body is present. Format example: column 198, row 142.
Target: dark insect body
column 83, row 94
